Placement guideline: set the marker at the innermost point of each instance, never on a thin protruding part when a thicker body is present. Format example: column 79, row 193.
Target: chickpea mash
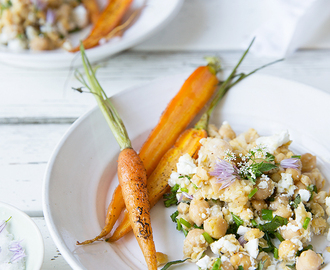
column 248, row 202
column 40, row 24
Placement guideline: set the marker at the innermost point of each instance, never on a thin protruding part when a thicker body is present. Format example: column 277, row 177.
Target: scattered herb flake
column 266, row 214
column 169, row 264
column 207, row 237
column 254, row 191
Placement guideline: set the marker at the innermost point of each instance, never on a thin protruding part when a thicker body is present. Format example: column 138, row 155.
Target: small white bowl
column 23, row 228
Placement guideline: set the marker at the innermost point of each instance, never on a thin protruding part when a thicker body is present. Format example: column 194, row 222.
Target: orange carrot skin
column 109, row 18
column 188, row 142
column 93, row 9
column 133, row 181
column 113, row 212
column 182, row 109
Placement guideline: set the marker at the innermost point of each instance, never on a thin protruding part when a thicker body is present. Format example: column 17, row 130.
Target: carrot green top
column 108, row 110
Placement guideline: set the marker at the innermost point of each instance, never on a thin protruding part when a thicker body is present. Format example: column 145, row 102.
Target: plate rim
column 46, row 180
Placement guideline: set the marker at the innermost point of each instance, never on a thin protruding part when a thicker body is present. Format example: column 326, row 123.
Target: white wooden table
column 38, row 106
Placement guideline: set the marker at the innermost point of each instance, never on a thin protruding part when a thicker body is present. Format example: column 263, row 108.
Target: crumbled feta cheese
column 304, row 194
column 327, row 201
column 285, row 185
column 328, row 235
column 273, row 142
column 80, row 16
column 252, row 248
column 262, row 185
column 225, row 246
column 16, row 44
column 297, row 242
column 242, row 230
column 31, row 32
column 186, row 165
column 204, row 262
column 173, row 178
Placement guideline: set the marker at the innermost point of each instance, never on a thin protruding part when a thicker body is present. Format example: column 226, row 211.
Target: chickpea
column 319, row 225
column 40, row 44
column 265, row 188
column 183, row 208
column 279, row 157
column 306, row 180
column 317, row 210
column 226, row 132
column 276, row 177
column 283, row 211
column 241, row 259
column 253, row 234
column 198, row 211
column 287, row 250
column 296, row 174
column 258, row 204
column 216, row 226
column 309, row 260
column 226, row 265
column 279, row 199
column 290, row 233
column 308, row 162
column 195, row 244
column 266, row 259
column 161, row 258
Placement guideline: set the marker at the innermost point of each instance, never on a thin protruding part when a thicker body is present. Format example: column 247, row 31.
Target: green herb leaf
column 275, row 253
column 266, row 214
column 276, row 222
column 185, row 223
column 312, row 189
column 240, row 267
column 185, row 190
column 207, row 237
column 217, row 264
column 261, row 265
column 279, row 236
column 296, row 201
column 174, row 215
column 169, row 264
column 237, row 220
column 170, row 198
column 254, row 191
column 304, row 249
column 254, row 223
column 265, row 167
column 306, row 222
column 297, row 156
column 292, row 266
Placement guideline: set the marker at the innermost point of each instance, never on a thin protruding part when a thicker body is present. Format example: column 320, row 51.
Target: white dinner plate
column 154, row 16
column 82, row 170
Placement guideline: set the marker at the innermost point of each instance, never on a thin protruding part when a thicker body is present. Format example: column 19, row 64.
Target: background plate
column 82, row 171
column 154, row 16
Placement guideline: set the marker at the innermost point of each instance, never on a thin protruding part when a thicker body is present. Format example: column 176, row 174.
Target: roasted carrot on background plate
column 109, row 19
column 182, row 109
column 188, row 142
column 131, row 172
column 93, row 9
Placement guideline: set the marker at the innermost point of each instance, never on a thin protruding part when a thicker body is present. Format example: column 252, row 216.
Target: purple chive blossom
column 242, row 241
column 18, row 251
column 225, row 172
column 50, row 16
column 39, row 4
column 290, row 163
column 185, row 195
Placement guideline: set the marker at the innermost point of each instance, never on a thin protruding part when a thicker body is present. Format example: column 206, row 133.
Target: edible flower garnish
column 3, row 224
column 18, row 251
column 185, row 194
column 225, row 172
column 290, row 163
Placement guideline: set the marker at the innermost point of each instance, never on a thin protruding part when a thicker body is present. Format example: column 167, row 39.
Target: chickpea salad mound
column 248, row 202
column 40, row 24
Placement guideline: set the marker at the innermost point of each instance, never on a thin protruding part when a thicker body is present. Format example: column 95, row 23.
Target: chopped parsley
column 296, row 201
column 266, row 214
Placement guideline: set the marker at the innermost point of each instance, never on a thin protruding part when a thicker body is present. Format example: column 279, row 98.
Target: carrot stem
column 108, row 110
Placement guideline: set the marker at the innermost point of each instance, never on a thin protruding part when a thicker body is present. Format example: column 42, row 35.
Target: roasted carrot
column 188, row 142
column 93, row 9
column 109, row 18
column 131, row 172
column 182, row 109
